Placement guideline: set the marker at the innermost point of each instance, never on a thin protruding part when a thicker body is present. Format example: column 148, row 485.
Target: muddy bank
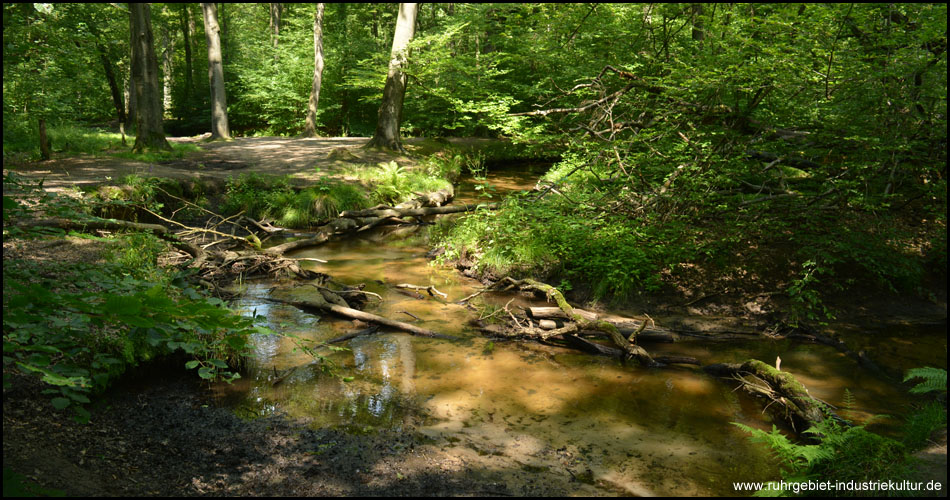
column 166, row 437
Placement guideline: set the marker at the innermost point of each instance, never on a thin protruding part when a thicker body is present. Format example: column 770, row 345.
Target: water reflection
column 658, row 432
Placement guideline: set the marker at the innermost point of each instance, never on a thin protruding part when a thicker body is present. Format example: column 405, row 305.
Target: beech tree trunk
column 698, row 34
column 311, row 127
column 275, row 11
column 148, row 97
column 110, row 74
column 219, row 99
column 44, row 141
column 186, row 31
column 390, row 111
column 168, row 52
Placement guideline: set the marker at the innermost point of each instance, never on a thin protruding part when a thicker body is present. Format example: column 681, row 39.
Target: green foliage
column 272, row 197
column 935, row 380
column 18, row 485
column 805, row 298
column 392, row 183
column 67, row 138
column 922, row 423
column 845, row 453
column 80, row 325
column 602, row 250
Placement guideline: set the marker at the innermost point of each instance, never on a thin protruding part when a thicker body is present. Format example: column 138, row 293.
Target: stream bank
column 483, row 417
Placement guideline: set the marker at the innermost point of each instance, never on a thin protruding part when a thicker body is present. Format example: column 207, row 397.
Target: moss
column 784, row 380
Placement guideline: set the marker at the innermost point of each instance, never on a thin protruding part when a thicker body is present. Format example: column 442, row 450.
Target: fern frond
column 935, row 379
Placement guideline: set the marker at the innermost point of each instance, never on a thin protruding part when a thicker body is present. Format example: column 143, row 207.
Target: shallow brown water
column 637, row 431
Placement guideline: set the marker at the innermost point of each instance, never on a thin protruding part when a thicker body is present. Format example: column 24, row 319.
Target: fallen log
column 644, row 336
column 789, row 399
column 415, row 212
column 320, row 302
column 199, row 255
column 353, row 221
column 93, row 225
column 594, row 348
column 627, row 344
column 550, row 318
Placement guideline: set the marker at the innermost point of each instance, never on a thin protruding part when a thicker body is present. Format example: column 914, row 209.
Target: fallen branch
column 330, row 302
column 353, row 221
column 603, row 350
column 431, row 289
column 579, row 322
column 351, row 335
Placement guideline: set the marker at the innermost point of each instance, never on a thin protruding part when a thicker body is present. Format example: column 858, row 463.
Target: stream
column 613, row 429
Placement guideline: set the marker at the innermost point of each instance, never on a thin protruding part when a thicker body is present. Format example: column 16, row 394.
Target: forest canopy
column 776, row 122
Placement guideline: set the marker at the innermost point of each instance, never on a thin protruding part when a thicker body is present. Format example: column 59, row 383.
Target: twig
column 431, row 289
column 417, row 318
column 513, row 318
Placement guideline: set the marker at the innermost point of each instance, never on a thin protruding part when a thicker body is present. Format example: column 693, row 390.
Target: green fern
column 935, row 380
column 799, row 458
column 844, row 454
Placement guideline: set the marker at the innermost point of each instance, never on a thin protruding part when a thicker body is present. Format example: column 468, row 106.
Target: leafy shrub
column 557, row 238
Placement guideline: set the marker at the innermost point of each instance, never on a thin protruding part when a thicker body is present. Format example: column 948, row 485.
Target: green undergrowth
column 79, row 325
column 391, row 183
column 571, row 241
column 595, row 232
column 69, row 139
column 850, row 454
column 274, row 198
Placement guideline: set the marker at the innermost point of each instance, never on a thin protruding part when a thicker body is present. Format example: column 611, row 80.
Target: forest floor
column 305, row 160
column 160, row 433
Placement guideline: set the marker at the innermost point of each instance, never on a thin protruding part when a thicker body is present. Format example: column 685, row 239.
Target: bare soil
column 304, row 160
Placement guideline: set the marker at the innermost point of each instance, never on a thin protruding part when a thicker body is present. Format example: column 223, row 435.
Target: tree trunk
column 219, row 104
column 345, row 97
column 789, row 399
column 110, row 75
column 698, row 33
column 390, row 111
column 44, row 141
column 186, row 27
column 129, row 93
column 168, row 52
column 311, row 127
column 148, row 99
column 275, row 11
column 113, row 85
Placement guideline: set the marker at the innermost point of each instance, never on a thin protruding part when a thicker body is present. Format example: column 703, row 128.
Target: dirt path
column 297, row 158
